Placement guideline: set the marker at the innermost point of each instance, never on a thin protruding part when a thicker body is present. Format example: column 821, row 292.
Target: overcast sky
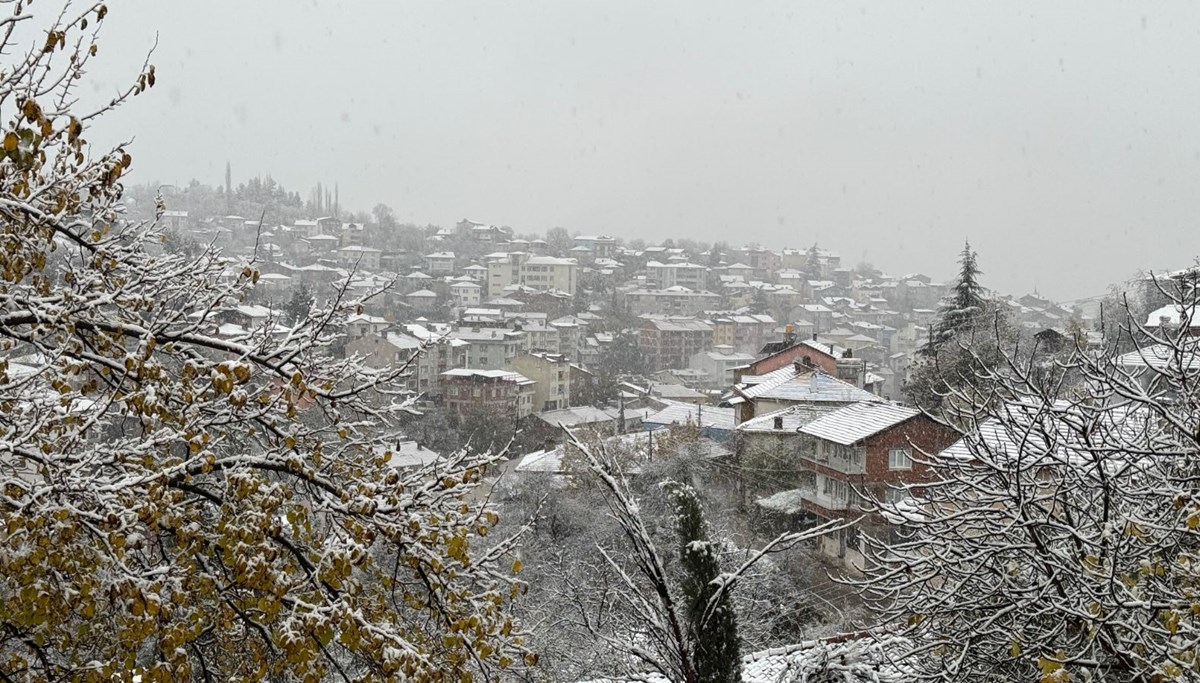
column 1062, row 139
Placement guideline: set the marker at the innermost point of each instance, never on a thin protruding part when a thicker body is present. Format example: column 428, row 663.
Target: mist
column 1061, row 140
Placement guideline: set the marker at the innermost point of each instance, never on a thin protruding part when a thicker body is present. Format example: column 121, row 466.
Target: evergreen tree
column 812, row 267
column 299, row 305
column 712, row 627
column 963, row 307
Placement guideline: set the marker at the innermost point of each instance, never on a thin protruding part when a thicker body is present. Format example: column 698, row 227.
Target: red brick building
column 670, row 343
column 865, row 449
column 466, row 390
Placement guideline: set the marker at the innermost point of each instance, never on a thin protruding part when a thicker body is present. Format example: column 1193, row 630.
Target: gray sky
column 1062, row 138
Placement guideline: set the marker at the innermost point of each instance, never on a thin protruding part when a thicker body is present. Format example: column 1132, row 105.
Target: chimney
column 778, row 422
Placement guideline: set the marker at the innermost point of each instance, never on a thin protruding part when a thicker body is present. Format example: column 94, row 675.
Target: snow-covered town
column 260, row 426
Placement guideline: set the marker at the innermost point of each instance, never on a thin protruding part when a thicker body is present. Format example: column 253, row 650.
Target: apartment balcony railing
column 855, row 464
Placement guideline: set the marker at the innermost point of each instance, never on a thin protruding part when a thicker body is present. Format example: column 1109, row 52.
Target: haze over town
column 887, row 132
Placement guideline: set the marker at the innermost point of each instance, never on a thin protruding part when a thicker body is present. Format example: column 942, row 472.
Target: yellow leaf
column 1015, row 650
column 517, row 566
column 10, row 142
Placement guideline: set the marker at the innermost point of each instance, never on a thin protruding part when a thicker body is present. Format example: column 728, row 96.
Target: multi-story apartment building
column 745, row 333
column 671, row 342
column 442, row 352
column 677, row 301
column 468, row 390
column 718, row 365
column 538, row 272
column 490, row 348
column 440, row 262
column 667, row 275
column 551, row 373
column 863, row 449
column 355, row 255
column 466, row 293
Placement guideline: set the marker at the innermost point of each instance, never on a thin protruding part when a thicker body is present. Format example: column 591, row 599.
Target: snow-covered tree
column 964, row 306
column 712, row 622
column 179, row 502
column 1060, row 540
column 666, row 634
column 967, row 341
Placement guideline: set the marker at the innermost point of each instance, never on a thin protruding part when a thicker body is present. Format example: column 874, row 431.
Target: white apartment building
column 465, row 293
column 668, row 275
column 538, row 272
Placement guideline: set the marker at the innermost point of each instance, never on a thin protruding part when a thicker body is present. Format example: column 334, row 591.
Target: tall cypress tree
column 716, row 653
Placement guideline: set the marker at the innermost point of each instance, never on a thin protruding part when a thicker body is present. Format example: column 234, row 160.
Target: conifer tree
column 712, row 623
column 964, row 305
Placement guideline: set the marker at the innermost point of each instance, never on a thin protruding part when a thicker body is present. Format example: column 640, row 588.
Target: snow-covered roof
column 788, row 384
column 1159, row 356
column 579, row 415
column 411, row 454
column 550, row 261
column 686, row 413
column 1173, row 315
column 793, row 418
column 489, row 374
column 858, row 421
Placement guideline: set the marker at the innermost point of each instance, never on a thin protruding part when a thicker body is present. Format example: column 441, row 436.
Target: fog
column 1061, row 140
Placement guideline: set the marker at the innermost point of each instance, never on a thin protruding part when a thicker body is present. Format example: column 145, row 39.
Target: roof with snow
column 789, row 384
column 579, row 415
column 858, row 421
column 792, row 418
column 690, row 414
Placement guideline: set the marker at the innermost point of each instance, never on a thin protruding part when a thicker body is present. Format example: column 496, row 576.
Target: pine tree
column 963, row 307
column 812, row 267
column 713, row 627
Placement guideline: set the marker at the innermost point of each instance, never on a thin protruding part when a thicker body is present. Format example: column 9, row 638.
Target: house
column 441, row 353
column 490, row 348
column 830, row 358
column 667, row 275
column 767, row 447
column 863, row 449
column 422, row 300
column 676, row 392
column 551, row 373
column 440, row 262
column 390, row 350
column 718, row 365
column 538, row 272
column 795, row 383
column 714, row 423
column 410, row 455
column 671, row 342
column 464, row 293
column 1172, row 317
column 676, row 300
column 358, row 256
column 597, row 420
column 468, row 390
column 361, row 324
column 746, row 333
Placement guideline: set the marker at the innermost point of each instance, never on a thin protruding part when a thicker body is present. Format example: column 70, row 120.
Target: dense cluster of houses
column 787, row 364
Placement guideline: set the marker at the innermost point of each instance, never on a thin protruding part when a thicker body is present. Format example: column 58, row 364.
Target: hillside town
column 767, row 352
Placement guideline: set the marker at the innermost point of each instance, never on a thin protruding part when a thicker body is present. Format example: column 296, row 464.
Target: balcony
column 844, row 462
column 829, row 502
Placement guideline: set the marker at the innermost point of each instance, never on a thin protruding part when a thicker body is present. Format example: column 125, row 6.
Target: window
column 899, row 459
